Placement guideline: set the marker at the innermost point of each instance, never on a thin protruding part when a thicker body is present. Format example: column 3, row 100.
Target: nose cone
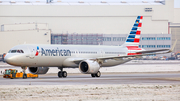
column 10, row 59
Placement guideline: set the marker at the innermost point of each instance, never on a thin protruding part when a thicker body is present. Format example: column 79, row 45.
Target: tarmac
column 134, row 72
column 105, row 79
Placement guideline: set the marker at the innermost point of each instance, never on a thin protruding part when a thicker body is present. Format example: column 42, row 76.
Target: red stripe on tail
column 140, row 24
column 141, row 17
column 138, row 32
column 136, row 40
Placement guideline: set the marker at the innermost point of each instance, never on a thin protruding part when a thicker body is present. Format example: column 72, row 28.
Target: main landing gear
column 98, row 74
column 62, row 73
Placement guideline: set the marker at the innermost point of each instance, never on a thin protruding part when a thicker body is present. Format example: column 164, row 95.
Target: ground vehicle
column 13, row 73
column 178, row 55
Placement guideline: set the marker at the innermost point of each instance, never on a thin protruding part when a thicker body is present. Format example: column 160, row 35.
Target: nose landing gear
column 24, row 72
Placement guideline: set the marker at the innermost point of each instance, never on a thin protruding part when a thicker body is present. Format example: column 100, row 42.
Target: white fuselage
column 64, row 55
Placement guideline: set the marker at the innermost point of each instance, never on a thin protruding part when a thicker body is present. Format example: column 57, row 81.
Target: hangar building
column 88, row 22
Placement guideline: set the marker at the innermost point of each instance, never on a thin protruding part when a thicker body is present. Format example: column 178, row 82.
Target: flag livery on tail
column 134, row 36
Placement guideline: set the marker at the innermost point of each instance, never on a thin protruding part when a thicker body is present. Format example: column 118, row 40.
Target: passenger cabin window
column 16, row 51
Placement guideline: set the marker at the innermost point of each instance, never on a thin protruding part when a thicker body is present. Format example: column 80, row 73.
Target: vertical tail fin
column 134, row 36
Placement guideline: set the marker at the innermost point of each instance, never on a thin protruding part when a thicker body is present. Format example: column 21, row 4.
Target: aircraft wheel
column 98, row 74
column 24, row 76
column 93, row 75
column 59, row 74
column 64, row 74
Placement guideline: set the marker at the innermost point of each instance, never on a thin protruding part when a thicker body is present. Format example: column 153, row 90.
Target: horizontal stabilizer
column 151, row 51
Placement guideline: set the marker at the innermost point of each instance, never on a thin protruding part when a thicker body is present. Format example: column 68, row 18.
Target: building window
column 148, row 46
column 148, row 38
column 163, row 46
column 148, row 9
column 107, row 39
column 163, row 38
column 114, row 39
column 119, row 38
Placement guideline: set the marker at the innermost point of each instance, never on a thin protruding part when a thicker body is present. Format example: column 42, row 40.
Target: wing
column 142, row 53
column 151, row 51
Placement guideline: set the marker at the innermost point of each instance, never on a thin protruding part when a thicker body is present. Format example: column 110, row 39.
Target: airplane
column 88, row 58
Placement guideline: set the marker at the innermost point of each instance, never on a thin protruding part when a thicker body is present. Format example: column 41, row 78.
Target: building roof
column 82, row 2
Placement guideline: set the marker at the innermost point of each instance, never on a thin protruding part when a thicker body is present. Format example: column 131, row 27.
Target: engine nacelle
column 89, row 67
column 38, row 70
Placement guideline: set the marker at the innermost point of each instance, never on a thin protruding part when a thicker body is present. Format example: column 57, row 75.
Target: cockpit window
column 9, row 51
column 22, row 51
column 16, row 51
column 13, row 51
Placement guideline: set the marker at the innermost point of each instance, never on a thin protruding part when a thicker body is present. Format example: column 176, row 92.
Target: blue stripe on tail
column 135, row 31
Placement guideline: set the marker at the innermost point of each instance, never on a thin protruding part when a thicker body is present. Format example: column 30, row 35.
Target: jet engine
column 38, row 70
column 89, row 67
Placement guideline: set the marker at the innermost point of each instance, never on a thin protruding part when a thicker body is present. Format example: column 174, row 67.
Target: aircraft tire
column 60, row 74
column 64, row 74
column 93, row 75
column 98, row 74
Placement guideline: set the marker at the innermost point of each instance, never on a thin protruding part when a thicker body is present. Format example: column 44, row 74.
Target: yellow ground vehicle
column 12, row 73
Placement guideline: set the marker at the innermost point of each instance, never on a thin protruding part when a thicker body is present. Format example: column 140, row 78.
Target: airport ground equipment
column 13, row 73
column 178, row 55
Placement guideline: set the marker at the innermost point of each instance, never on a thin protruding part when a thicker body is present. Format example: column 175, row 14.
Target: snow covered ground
column 130, row 92
column 90, row 93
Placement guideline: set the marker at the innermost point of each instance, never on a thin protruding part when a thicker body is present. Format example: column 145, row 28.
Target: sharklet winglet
column 172, row 48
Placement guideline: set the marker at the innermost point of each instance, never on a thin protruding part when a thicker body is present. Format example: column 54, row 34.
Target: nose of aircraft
column 13, row 59
column 9, row 59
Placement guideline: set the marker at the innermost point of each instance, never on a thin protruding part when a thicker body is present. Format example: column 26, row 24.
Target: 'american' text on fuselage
column 55, row 52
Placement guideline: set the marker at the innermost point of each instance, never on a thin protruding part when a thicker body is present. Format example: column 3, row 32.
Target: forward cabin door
column 32, row 52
